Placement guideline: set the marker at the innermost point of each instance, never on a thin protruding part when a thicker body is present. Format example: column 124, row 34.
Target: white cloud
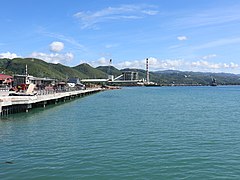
column 56, row 46
column 180, row 64
column 102, row 61
column 230, row 65
column 154, row 64
column 90, row 19
column 182, row 38
column 233, row 65
column 150, row 12
column 205, row 65
column 210, row 56
column 8, row 55
column 53, row 57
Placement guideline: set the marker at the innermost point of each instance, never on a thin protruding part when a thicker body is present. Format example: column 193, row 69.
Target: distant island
column 40, row 68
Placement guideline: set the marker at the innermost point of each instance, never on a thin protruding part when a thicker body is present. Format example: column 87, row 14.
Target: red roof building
column 5, row 79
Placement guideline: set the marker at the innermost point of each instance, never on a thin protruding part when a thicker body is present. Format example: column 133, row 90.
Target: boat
column 151, row 84
column 29, row 92
column 214, row 82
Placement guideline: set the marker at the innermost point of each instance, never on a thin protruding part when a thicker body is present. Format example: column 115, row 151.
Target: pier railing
column 14, row 104
column 54, row 91
column 41, row 92
column 4, row 88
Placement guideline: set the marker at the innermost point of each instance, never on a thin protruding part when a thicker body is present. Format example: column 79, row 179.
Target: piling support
column 44, row 103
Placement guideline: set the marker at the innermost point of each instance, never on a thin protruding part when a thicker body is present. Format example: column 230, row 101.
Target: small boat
column 29, row 92
column 214, row 82
column 152, row 84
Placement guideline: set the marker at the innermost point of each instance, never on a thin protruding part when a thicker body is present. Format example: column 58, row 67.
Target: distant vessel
column 214, row 82
column 151, row 84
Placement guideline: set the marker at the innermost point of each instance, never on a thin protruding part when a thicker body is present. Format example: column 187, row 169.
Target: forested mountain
column 90, row 72
column 110, row 70
column 40, row 68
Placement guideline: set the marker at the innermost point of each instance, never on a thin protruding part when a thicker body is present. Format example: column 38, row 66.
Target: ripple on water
column 134, row 133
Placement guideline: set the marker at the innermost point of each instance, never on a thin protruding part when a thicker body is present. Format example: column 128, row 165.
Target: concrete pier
column 15, row 104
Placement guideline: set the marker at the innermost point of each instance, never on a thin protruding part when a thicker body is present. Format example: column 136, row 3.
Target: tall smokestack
column 147, row 71
column 109, row 67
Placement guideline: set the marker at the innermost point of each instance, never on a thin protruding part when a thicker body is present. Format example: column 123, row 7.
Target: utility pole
column 26, row 70
column 147, row 71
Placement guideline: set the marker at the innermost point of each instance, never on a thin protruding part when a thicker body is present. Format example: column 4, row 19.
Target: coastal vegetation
column 40, row 68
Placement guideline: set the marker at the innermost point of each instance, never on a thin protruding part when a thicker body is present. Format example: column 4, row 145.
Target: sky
column 182, row 35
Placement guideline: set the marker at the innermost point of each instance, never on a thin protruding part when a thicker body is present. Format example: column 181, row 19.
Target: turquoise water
column 133, row 133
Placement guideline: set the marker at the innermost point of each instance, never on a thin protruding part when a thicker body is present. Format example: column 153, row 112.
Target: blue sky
column 174, row 34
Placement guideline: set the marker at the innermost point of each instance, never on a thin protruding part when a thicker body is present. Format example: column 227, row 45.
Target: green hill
column 89, row 71
column 169, row 77
column 195, row 78
column 110, row 70
column 40, row 68
column 67, row 72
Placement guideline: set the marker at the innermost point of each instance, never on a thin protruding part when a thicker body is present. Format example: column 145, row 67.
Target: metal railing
column 4, row 88
column 54, row 91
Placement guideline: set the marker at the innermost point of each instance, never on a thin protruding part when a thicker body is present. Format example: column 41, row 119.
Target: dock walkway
column 15, row 104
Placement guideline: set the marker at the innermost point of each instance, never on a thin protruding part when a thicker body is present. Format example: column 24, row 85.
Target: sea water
column 132, row 133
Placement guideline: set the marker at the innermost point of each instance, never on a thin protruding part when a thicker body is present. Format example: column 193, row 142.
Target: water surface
column 133, row 133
